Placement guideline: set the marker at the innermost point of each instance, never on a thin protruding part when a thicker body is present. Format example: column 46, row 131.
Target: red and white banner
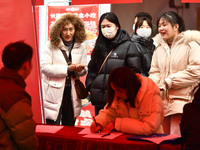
column 88, row 13
column 80, row 2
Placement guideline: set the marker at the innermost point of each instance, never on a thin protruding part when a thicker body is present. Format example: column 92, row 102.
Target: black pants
column 66, row 112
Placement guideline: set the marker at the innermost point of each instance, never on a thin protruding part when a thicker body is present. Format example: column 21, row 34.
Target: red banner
column 38, row 2
column 80, row 2
column 190, row 1
column 88, row 13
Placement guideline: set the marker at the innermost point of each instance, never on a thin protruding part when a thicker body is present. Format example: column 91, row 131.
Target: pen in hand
column 105, row 134
column 94, row 120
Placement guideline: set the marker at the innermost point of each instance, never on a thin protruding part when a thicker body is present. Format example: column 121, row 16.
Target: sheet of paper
column 156, row 138
column 48, row 128
column 89, row 134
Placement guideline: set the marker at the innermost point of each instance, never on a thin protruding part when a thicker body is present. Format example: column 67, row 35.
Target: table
column 68, row 139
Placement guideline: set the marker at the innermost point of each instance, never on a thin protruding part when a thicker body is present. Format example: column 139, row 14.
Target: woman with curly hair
column 61, row 104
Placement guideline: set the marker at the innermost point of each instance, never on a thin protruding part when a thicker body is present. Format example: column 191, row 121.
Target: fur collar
column 56, row 28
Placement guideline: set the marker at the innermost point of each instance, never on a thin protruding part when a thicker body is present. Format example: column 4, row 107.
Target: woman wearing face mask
column 143, row 43
column 117, row 42
column 175, row 67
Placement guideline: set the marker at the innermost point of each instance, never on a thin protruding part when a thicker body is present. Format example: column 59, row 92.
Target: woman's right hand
column 94, row 128
column 72, row 67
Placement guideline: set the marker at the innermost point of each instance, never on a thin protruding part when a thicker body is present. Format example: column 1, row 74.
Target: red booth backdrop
column 18, row 23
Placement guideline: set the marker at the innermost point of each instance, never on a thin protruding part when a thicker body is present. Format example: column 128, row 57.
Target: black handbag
column 81, row 90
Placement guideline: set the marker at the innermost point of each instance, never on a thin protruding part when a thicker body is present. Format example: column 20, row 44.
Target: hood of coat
column 186, row 37
column 56, row 28
column 146, row 94
column 143, row 41
column 121, row 37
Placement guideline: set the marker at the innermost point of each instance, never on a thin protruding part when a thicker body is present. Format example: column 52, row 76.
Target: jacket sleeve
column 191, row 74
column 50, row 68
column 154, row 72
column 22, row 127
column 83, row 60
column 149, row 124
column 133, row 58
column 91, row 75
column 106, row 116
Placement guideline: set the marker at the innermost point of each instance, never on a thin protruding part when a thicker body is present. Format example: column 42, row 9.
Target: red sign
column 38, row 2
column 190, row 1
column 88, row 13
column 80, row 2
column 85, row 118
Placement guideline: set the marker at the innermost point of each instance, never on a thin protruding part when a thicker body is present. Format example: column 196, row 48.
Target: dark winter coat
column 190, row 124
column 124, row 54
column 146, row 48
column 17, row 128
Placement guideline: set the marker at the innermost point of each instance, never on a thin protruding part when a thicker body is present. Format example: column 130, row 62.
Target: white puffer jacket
column 54, row 71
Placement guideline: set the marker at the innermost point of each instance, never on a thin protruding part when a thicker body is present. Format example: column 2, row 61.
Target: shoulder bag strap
column 105, row 61
column 66, row 57
column 69, row 63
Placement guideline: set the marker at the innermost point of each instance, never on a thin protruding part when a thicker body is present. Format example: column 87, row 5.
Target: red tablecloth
column 68, row 139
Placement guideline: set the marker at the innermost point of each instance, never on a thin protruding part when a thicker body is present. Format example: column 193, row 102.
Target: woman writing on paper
column 133, row 105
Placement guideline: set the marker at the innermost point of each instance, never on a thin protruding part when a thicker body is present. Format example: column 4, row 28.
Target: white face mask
column 110, row 32
column 144, row 32
column 133, row 27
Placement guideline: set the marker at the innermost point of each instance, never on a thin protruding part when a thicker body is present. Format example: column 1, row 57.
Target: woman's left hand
column 108, row 128
column 79, row 67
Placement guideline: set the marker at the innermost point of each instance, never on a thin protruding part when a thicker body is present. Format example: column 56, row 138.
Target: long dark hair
column 102, row 44
column 174, row 19
column 125, row 78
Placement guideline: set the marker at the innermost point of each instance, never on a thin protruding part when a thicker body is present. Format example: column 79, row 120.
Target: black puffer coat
column 146, row 48
column 124, row 54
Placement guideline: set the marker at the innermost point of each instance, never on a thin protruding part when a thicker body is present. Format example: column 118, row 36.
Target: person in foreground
column 175, row 67
column 61, row 103
column 133, row 106
column 190, row 124
column 17, row 127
